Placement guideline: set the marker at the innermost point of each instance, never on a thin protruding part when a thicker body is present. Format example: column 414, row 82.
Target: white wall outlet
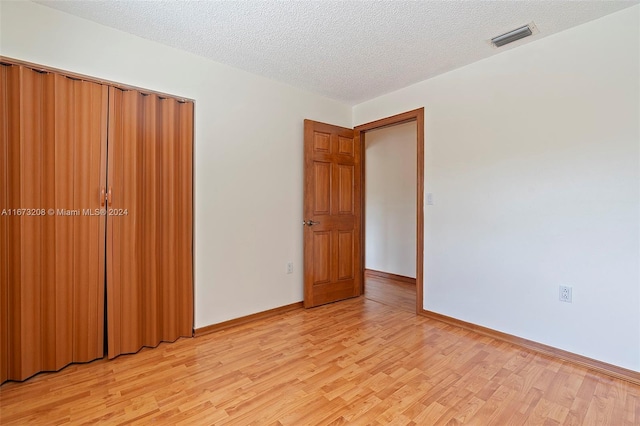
column 565, row 293
column 289, row 267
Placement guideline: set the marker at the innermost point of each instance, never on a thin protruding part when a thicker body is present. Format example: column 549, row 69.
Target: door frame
column 416, row 115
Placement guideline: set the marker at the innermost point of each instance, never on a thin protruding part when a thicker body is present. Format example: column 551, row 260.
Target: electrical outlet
column 565, row 293
column 289, row 267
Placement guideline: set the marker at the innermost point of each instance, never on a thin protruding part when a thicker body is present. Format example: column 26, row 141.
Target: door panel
column 346, row 146
column 322, row 188
column 321, row 142
column 345, row 255
column 332, row 248
column 89, row 231
column 346, row 182
column 149, row 236
column 51, row 264
column 5, row 96
column 64, row 227
column 322, row 257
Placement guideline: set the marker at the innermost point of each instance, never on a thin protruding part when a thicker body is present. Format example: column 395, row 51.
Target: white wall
column 248, row 151
column 533, row 157
column 390, row 199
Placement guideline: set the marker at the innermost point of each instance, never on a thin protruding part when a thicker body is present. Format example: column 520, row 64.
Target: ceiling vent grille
column 512, row 36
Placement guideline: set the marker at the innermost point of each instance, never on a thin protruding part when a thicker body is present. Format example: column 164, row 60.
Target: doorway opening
column 390, row 215
column 393, row 212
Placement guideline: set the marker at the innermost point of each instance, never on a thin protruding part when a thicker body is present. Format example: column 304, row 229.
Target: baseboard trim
column 583, row 361
column 389, row 276
column 246, row 319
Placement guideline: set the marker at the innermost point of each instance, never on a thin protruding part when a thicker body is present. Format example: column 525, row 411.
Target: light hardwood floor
column 353, row 362
column 390, row 292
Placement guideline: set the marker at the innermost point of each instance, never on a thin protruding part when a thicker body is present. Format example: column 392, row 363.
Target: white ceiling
column 347, row 50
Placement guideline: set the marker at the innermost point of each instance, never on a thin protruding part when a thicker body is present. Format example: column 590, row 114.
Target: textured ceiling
column 347, row 50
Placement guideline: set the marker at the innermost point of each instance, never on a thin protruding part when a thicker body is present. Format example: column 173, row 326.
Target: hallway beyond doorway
column 397, row 293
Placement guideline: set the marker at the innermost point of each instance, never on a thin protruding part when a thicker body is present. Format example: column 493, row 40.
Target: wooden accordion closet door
column 52, row 166
column 149, row 229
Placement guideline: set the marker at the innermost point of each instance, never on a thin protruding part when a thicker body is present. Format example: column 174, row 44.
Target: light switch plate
column 429, row 199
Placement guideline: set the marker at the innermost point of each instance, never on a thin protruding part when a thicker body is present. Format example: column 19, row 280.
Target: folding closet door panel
column 184, row 219
column 9, row 127
column 175, row 207
column 4, row 306
column 151, row 233
column 149, row 266
column 90, row 115
column 132, row 317
column 27, row 321
column 167, row 208
column 177, row 215
column 50, row 184
column 75, row 169
column 123, row 323
column 61, row 326
column 44, row 195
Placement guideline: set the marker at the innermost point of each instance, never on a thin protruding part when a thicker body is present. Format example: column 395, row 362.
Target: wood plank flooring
column 391, row 292
column 353, row 362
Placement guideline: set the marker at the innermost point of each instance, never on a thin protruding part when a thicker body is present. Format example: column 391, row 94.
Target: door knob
column 310, row 222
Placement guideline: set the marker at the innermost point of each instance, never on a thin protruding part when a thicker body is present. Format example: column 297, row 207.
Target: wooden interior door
column 332, row 214
column 149, row 226
column 52, row 166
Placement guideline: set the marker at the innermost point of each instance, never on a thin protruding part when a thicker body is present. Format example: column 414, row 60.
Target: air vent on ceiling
column 513, row 35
